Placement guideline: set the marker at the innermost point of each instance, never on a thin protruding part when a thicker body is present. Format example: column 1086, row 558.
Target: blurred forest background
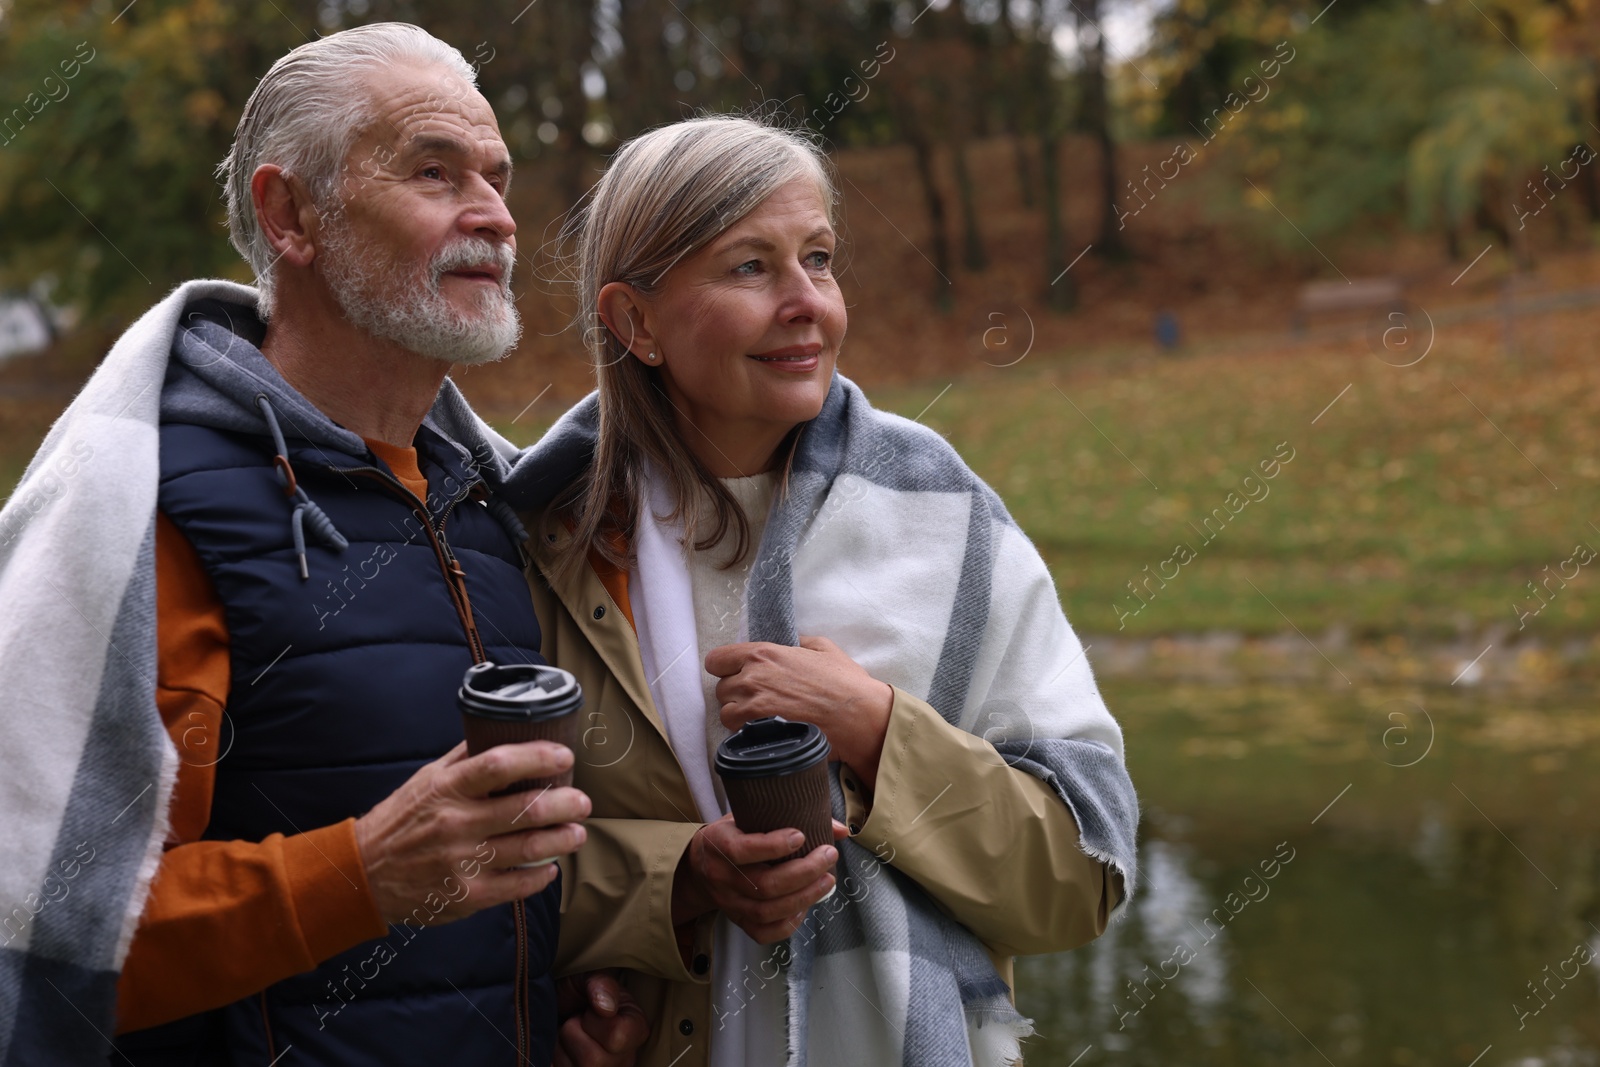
column 1129, row 256
column 1360, row 118
column 1133, row 201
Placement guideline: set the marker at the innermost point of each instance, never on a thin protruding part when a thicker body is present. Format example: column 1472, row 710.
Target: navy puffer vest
column 343, row 685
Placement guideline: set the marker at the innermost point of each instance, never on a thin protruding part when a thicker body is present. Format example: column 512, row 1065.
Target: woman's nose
column 804, row 300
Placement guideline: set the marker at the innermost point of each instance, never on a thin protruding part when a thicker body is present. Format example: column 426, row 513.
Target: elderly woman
column 728, row 530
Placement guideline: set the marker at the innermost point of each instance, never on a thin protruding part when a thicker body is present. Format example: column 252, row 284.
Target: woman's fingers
column 778, row 919
column 772, row 933
column 761, row 912
column 734, row 887
column 726, row 842
column 764, row 883
column 728, row 660
column 766, row 899
column 818, row 644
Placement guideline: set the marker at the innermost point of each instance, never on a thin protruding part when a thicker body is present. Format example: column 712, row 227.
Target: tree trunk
column 973, row 255
column 1019, row 143
column 1589, row 189
column 933, row 200
column 572, row 35
column 1097, row 116
column 1062, row 292
column 1009, row 56
column 641, row 88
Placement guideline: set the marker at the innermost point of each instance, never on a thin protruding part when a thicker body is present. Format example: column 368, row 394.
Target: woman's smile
column 794, row 359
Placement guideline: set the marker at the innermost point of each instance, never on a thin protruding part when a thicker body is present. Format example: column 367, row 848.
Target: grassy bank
column 1420, row 502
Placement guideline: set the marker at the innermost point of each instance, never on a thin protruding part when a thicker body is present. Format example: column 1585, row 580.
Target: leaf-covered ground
column 1421, row 502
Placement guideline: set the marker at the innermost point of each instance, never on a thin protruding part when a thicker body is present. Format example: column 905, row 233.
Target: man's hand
column 818, row 683
column 601, row 1024
column 441, row 846
column 734, row 872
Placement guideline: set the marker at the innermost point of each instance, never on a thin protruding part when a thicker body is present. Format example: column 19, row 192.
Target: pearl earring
column 650, row 357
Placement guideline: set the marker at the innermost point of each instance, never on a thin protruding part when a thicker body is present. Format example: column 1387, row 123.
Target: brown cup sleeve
column 798, row 800
column 484, row 733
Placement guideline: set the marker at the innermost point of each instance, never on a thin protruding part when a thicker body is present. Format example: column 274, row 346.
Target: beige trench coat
column 999, row 854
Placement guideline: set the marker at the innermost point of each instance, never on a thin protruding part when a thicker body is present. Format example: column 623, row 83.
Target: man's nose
column 489, row 216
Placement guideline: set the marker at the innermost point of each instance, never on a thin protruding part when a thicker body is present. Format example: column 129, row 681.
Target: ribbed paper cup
column 775, row 774
column 506, row 705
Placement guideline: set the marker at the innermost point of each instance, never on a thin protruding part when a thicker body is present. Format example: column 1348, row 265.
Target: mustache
column 473, row 252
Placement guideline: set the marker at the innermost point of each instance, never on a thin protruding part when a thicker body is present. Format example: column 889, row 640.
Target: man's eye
column 431, row 172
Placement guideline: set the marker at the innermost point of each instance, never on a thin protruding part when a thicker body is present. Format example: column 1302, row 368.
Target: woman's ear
column 624, row 314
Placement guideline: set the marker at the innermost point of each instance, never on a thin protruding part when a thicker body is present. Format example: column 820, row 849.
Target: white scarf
column 661, row 594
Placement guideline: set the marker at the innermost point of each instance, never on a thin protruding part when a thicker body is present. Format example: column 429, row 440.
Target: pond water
column 1344, row 876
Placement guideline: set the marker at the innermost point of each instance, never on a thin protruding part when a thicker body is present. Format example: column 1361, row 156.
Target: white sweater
column 751, row 1011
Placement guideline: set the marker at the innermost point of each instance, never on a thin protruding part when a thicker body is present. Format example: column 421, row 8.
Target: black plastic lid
column 519, row 691
column 766, row 748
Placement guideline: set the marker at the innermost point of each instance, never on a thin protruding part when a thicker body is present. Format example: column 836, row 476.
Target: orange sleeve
column 226, row 919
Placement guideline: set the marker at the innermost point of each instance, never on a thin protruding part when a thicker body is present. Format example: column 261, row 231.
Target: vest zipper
column 520, row 987
column 456, row 578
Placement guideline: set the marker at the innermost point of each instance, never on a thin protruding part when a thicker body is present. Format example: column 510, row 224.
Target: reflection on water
column 1324, row 883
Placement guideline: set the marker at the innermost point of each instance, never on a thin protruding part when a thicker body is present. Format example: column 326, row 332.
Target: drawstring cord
column 305, row 509
column 506, row 515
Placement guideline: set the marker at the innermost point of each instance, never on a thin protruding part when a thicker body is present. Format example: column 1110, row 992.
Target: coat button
column 600, row 612
column 686, row 1028
column 855, row 828
column 702, row 963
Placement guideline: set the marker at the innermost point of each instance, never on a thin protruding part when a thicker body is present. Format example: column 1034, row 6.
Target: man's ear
column 288, row 219
column 624, row 314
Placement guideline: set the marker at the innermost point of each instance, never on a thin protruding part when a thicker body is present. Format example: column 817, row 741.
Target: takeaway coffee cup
column 775, row 773
column 503, row 705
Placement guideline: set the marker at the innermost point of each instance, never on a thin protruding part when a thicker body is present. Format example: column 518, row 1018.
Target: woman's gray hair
column 665, row 196
column 304, row 117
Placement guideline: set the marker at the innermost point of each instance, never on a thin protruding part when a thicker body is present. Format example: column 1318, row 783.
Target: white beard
column 395, row 302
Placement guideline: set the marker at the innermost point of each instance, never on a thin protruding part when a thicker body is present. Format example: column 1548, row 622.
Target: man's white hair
column 307, row 113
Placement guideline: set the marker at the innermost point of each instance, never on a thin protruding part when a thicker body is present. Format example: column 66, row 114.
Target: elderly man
column 242, row 614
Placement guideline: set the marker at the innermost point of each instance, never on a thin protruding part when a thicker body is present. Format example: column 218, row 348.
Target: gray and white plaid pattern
column 951, row 989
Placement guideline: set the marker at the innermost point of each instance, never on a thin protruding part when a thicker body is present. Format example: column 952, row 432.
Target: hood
column 217, row 372
column 218, row 378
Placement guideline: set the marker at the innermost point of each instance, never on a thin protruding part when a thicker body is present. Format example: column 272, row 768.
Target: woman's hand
column 816, row 683
column 734, row 872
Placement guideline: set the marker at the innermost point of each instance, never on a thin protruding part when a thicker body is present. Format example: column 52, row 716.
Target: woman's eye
column 750, row 267
column 820, row 260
